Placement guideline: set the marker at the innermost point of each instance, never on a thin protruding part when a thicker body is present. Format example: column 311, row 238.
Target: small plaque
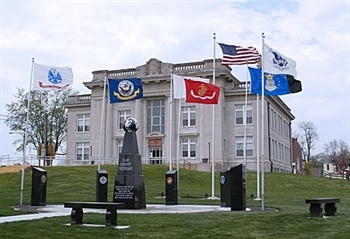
column 124, row 192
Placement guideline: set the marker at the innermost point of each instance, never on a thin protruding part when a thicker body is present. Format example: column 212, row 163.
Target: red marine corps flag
column 201, row 92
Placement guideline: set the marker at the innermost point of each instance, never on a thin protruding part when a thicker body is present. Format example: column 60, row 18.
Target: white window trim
column 188, row 111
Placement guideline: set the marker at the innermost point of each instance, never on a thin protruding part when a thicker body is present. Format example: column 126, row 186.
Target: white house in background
column 328, row 167
column 164, row 126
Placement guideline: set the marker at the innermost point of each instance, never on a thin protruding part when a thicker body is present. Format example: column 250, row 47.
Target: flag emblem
column 202, row 89
column 270, row 83
column 126, row 88
column 279, row 60
column 54, row 76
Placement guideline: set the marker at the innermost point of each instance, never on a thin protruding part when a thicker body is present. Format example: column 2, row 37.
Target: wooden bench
column 77, row 211
column 329, row 206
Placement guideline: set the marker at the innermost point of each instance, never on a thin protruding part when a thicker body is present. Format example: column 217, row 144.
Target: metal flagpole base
column 213, row 198
column 257, row 199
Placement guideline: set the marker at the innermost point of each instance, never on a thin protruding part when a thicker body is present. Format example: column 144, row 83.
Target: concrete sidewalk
column 59, row 210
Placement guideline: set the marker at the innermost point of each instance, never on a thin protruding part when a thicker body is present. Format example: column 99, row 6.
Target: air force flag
column 124, row 89
column 276, row 63
column 274, row 84
column 51, row 78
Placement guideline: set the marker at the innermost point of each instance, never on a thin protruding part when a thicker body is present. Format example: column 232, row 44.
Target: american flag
column 237, row 55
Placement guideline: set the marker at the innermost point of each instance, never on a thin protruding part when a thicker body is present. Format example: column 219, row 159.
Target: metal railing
column 34, row 160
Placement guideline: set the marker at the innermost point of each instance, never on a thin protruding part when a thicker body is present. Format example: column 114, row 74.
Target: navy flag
column 124, row 89
column 275, row 84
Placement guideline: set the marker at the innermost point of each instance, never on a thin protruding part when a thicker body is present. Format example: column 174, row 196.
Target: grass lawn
column 285, row 192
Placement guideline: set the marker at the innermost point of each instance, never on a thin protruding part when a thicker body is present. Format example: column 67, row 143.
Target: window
column 156, row 116
column 83, row 151
column 272, row 148
column 276, row 150
column 239, row 110
column 189, row 147
column 122, row 116
column 119, row 147
column 240, row 146
column 272, row 119
column 83, row 122
column 189, row 116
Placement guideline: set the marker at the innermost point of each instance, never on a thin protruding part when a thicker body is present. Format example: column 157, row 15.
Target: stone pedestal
column 129, row 187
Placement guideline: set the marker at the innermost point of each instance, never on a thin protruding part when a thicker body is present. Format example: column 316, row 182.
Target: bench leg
column 111, row 217
column 330, row 209
column 315, row 210
column 76, row 216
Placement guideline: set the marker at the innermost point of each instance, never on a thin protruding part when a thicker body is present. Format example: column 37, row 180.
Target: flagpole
column 262, row 127
column 170, row 119
column 213, row 131
column 178, row 142
column 102, row 119
column 245, row 123
column 26, row 135
column 257, row 149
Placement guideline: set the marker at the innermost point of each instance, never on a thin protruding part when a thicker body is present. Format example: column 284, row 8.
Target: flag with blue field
column 121, row 90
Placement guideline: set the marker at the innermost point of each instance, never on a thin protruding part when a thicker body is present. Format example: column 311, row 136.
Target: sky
column 98, row 35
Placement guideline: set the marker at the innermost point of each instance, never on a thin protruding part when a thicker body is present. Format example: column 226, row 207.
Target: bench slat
column 96, row 205
column 322, row 200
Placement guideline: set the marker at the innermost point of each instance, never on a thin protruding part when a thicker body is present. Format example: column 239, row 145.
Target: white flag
column 179, row 85
column 276, row 63
column 51, row 78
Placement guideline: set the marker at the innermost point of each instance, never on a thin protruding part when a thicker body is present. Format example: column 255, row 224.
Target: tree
column 307, row 138
column 339, row 154
column 48, row 117
column 316, row 162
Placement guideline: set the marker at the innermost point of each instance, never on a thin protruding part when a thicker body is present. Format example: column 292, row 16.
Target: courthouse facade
column 178, row 130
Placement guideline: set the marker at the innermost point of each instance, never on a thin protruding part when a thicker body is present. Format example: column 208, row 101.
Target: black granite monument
column 101, row 185
column 238, row 200
column 233, row 188
column 39, row 180
column 171, row 192
column 129, row 187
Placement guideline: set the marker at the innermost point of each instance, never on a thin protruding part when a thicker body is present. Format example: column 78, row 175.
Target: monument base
column 130, row 190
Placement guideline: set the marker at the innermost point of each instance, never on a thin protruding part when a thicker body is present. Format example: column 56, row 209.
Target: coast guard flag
column 51, row 78
column 274, row 84
column 276, row 63
column 179, row 85
column 124, row 89
column 237, row 55
column 201, row 92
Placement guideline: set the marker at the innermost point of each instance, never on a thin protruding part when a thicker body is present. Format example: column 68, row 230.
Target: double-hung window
column 240, row 146
column 189, row 145
column 239, row 112
column 188, row 116
column 83, row 122
column 82, row 151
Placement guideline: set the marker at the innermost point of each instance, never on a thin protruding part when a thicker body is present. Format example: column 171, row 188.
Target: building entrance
column 155, row 155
